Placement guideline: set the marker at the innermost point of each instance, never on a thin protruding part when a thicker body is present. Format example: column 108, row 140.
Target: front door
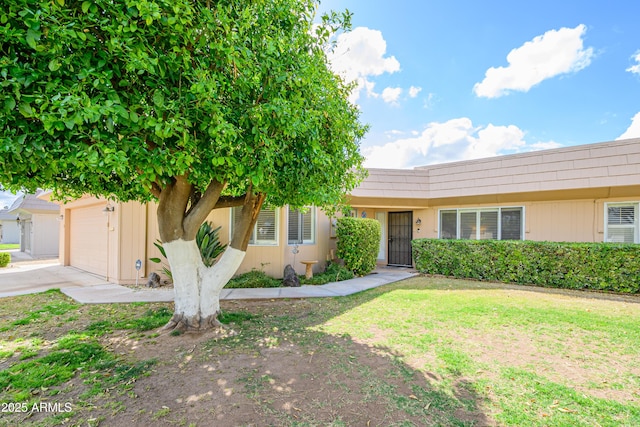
column 400, row 234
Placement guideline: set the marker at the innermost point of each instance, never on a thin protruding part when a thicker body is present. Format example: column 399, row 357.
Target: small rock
column 290, row 277
column 154, row 280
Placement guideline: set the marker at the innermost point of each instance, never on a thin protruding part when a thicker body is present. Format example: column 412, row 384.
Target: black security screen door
column 400, row 232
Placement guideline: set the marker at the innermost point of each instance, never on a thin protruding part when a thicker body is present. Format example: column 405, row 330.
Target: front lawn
column 424, row 351
column 9, row 246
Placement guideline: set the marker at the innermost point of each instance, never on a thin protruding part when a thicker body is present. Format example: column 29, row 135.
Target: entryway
column 400, row 235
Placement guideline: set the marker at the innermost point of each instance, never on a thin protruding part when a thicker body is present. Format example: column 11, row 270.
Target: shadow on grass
column 450, row 283
column 281, row 368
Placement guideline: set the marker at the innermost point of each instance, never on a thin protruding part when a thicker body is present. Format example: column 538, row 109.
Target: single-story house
column 107, row 238
column 9, row 229
column 38, row 222
column 587, row 193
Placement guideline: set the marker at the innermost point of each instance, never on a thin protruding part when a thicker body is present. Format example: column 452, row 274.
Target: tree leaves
column 239, row 93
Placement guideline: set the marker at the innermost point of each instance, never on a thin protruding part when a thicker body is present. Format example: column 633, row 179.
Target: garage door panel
column 88, row 238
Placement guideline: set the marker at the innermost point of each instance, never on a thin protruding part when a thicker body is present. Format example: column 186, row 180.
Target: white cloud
column 414, row 91
column 553, row 53
column 633, row 131
column 453, row 140
column 390, row 95
column 360, row 54
column 635, row 68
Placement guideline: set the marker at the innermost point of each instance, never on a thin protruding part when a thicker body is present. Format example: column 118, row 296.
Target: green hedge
column 5, row 259
column 596, row 266
column 358, row 243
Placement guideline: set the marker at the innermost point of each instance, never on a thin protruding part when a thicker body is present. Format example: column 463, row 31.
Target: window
column 302, row 226
column 265, row 230
column 482, row 224
column 621, row 222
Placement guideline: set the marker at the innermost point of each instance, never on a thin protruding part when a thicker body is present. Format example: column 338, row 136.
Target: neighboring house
column 38, row 225
column 9, row 230
column 588, row 193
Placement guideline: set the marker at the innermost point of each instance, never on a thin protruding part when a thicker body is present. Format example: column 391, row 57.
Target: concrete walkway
column 24, row 276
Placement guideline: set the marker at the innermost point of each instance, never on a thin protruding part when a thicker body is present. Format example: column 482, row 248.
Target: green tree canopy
column 123, row 98
column 202, row 104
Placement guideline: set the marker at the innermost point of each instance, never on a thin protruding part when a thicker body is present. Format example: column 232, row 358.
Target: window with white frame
column 302, row 226
column 621, row 221
column 503, row 223
column 265, row 230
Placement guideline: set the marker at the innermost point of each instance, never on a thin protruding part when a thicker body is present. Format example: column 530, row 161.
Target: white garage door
column 88, row 238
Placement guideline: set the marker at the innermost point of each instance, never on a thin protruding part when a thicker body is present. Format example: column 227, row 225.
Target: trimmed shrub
column 358, row 243
column 254, row 279
column 333, row 273
column 5, row 259
column 597, row 266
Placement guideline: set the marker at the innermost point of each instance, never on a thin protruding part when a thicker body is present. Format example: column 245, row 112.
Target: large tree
column 198, row 104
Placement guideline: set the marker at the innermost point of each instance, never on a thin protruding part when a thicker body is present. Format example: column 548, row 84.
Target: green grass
column 150, row 319
column 8, row 246
column 25, row 381
column 42, row 352
column 427, row 351
column 538, row 359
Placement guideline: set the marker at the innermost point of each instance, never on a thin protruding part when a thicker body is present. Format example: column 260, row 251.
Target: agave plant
column 207, row 240
column 209, row 243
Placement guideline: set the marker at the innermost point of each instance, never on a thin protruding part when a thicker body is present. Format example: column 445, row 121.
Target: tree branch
column 248, row 217
column 230, row 201
column 172, row 205
column 155, row 189
column 200, row 210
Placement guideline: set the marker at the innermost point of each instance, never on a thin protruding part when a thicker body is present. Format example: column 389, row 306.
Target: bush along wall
column 358, row 243
column 596, row 266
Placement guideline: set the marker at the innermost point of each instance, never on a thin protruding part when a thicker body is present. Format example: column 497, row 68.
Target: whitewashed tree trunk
column 197, row 287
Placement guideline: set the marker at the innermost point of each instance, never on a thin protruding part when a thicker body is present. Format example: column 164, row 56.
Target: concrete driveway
column 25, row 275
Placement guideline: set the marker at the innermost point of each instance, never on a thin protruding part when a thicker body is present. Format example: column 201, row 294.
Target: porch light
column 108, row 209
column 418, row 221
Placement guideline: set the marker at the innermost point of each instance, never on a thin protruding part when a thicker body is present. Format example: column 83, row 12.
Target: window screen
column 265, row 230
column 301, row 227
column 622, row 223
column 483, row 223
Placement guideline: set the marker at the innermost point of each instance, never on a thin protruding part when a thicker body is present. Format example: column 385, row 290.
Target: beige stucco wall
column 579, row 220
column 273, row 259
column 270, row 259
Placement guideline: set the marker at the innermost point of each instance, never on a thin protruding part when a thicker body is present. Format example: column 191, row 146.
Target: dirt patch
column 278, row 368
column 204, row 379
column 280, row 375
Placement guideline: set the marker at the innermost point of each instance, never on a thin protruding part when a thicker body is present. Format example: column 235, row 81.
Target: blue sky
column 447, row 80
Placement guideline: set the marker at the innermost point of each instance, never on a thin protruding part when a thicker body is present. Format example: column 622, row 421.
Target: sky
column 448, row 80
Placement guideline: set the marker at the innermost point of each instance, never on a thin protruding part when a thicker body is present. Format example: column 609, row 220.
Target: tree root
column 180, row 322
